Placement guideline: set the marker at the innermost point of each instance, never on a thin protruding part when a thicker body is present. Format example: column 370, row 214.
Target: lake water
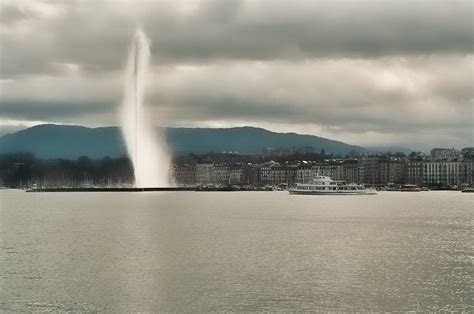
column 235, row 251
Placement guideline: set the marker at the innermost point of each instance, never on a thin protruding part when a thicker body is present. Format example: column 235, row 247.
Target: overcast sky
column 366, row 72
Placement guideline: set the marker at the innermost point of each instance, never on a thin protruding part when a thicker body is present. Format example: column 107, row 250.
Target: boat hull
column 300, row 192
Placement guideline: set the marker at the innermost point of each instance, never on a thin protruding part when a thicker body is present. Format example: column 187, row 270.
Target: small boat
column 323, row 185
column 468, row 190
column 410, row 188
column 215, row 188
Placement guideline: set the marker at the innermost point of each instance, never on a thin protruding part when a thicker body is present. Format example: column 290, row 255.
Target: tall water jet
column 146, row 148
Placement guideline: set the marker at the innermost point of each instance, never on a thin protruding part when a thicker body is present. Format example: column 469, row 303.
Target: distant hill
column 248, row 140
column 66, row 141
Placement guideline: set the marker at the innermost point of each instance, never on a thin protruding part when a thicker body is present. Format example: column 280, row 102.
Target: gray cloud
column 11, row 14
column 54, row 110
column 368, row 72
column 325, row 91
column 96, row 34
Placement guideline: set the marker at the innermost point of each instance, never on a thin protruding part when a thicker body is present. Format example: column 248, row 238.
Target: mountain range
column 68, row 141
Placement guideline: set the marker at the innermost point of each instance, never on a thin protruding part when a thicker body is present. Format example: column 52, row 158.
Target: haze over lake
column 240, row 251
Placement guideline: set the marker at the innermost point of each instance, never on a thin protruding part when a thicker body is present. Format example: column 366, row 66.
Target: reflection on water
column 237, row 251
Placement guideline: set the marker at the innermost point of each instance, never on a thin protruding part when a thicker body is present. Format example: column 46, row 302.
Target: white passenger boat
column 323, row 185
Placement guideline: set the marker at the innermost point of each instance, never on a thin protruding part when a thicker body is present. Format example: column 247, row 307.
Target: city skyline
column 323, row 68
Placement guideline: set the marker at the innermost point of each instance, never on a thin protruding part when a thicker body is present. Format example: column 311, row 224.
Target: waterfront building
column 454, row 173
column 273, row 173
column 185, row 175
column 446, row 167
column 203, row 173
column 342, row 170
column 445, row 153
column 381, row 170
column 414, row 171
column 220, row 174
column 305, row 173
column 396, row 170
column 291, row 174
column 456, row 167
column 369, row 171
column 253, row 174
column 447, row 173
column 237, row 174
column 333, row 169
column 469, row 171
column 351, row 170
column 434, row 172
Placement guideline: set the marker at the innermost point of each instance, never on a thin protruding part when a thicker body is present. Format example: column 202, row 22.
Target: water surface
column 235, row 251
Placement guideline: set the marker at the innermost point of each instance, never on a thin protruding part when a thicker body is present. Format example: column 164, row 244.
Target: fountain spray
column 146, row 148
